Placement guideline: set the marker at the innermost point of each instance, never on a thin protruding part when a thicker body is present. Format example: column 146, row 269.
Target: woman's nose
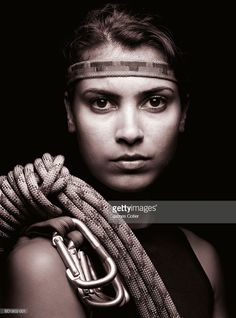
column 129, row 128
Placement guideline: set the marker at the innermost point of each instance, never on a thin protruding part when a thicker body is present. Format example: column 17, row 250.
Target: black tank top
column 179, row 268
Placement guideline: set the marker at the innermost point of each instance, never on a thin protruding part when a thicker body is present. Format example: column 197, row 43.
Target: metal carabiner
column 82, row 274
column 99, row 299
column 96, row 296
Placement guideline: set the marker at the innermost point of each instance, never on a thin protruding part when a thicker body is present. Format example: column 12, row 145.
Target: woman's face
column 126, row 127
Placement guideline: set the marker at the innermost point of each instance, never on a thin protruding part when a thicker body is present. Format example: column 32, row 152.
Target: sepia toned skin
column 127, row 127
column 137, row 118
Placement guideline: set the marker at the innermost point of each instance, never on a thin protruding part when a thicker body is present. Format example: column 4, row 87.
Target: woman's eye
column 155, row 103
column 101, row 104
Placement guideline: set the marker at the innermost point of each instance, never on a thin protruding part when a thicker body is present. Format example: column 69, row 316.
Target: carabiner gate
column 82, row 274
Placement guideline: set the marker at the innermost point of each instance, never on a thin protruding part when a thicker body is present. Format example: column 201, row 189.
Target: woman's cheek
column 163, row 142
column 92, row 141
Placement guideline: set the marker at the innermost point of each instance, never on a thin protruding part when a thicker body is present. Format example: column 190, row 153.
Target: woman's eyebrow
column 155, row 90
column 100, row 92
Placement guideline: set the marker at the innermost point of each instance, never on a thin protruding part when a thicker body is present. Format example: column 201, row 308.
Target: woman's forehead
column 117, row 52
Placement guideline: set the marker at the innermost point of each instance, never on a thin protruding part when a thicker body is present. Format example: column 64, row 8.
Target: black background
column 33, row 119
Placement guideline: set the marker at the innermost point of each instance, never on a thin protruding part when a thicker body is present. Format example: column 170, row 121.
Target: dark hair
column 114, row 24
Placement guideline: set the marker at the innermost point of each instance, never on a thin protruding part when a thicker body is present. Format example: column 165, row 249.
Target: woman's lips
column 130, row 165
column 131, row 162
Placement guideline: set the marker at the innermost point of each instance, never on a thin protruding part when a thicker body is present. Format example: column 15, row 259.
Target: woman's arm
column 37, row 281
column 210, row 262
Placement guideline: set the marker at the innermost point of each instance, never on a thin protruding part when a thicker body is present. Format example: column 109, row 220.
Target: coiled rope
column 47, row 190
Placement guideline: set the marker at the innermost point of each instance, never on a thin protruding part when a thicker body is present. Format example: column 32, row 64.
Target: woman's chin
column 129, row 184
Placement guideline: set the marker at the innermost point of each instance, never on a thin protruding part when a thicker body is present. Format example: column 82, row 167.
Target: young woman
column 126, row 101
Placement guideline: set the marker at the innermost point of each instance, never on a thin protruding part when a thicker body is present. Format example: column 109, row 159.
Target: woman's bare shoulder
column 37, row 252
column 36, row 278
column 205, row 253
column 211, row 264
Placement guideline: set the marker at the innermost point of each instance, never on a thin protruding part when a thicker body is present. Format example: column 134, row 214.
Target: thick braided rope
column 25, row 191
